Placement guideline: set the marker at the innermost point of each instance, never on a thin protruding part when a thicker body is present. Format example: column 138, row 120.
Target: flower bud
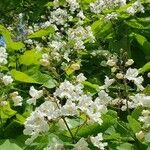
column 111, row 63
column 129, row 62
column 140, row 135
column 119, row 76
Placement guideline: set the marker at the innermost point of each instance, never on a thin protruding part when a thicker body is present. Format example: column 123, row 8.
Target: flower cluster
column 76, row 102
column 3, row 56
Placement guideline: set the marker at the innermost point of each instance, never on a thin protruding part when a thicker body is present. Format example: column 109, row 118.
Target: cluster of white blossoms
column 35, row 94
column 135, row 7
column 79, row 35
column 70, row 34
column 59, row 16
column 3, row 56
column 111, row 16
column 100, row 5
column 145, row 120
column 76, row 101
column 73, row 5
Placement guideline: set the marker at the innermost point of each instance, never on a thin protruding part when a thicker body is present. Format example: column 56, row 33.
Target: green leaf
column 90, row 87
column 30, row 57
column 44, row 79
column 20, row 118
column 136, row 112
column 144, row 43
column 95, row 128
column 147, row 90
column 9, row 145
column 42, row 32
column 22, row 77
column 137, row 24
column 13, row 129
column 41, row 78
column 134, row 125
column 6, row 112
column 145, row 68
column 123, row 146
column 101, row 29
column 9, row 42
column 72, row 68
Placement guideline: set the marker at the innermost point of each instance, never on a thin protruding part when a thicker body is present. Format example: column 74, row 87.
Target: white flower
column 16, row 99
column 29, row 41
column 111, row 16
column 81, row 15
column 35, row 94
column 84, row 102
column 56, row 45
column 7, row 79
column 148, row 75
column 136, row 7
column 3, row 56
column 49, row 110
column 73, row 4
column 147, row 137
column 56, row 3
column 103, row 98
column 94, row 112
column 99, row 5
column 3, row 103
column 69, row 109
column 81, row 145
column 79, row 35
column 107, row 82
column 141, row 100
column 81, row 77
column 35, row 124
column 97, row 141
column 59, row 16
column 55, row 145
column 131, row 75
column 145, row 119
column 45, row 60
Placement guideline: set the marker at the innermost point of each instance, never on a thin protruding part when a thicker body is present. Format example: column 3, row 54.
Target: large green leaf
column 13, row 129
column 144, row 43
column 134, row 125
column 145, row 68
column 9, row 145
column 34, row 76
column 122, row 146
column 6, row 112
column 101, row 29
column 139, row 23
column 22, row 77
column 42, row 32
column 90, row 87
column 30, row 57
column 44, row 79
column 8, row 39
